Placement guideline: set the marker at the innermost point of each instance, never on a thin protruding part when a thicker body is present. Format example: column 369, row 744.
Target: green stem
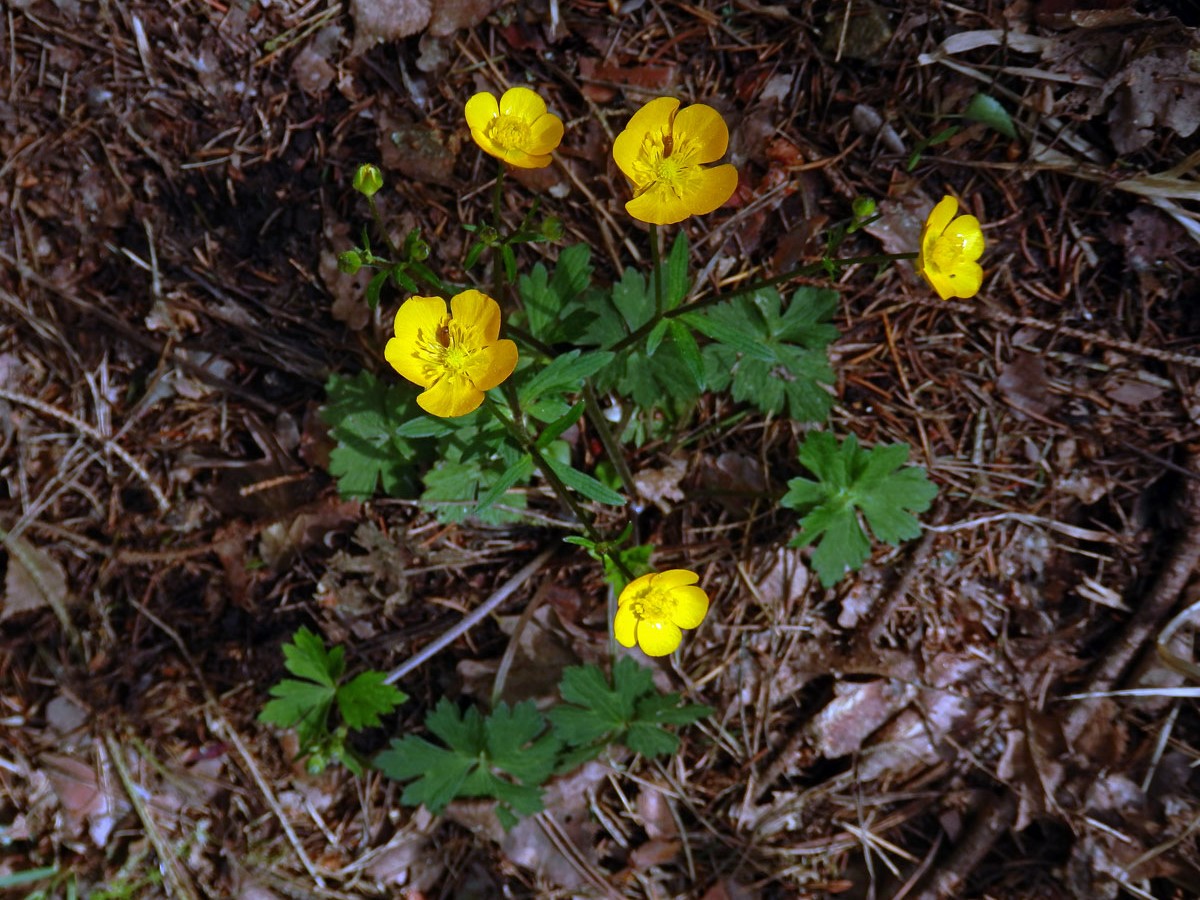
column 523, row 439
column 497, row 252
column 713, row 299
column 608, row 440
column 656, row 264
column 393, row 253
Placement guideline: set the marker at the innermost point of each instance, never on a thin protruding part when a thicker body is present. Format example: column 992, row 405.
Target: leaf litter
column 878, row 711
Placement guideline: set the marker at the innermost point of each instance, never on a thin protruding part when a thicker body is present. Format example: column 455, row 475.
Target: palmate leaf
column 364, row 415
column 666, row 373
column 629, row 711
column 305, row 702
column 774, row 358
column 849, row 480
column 506, row 755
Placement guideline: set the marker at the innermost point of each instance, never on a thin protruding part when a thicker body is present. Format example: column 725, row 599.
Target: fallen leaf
column 34, row 579
column 1025, row 384
column 661, row 486
column 858, row 711
column 450, row 15
column 378, row 21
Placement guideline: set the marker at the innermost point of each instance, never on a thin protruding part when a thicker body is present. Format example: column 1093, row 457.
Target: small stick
column 472, row 618
column 84, row 428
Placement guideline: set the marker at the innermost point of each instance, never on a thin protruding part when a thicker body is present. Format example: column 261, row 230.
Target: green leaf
column 773, row 358
column 585, row 484
column 374, row 286
column 365, row 418
column 519, row 471
column 629, row 710
column 365, row 698
column 301, row 705
column 988, row 110
column 510, row 262
column 677, row 284
column 689, row 351
column 555, row 429
column 850, row 480
column 564, row 374
column 306, row 657
column 481, row 758
column 573, row 272
column 305, row 704
column 440, row 773
column 513, row 744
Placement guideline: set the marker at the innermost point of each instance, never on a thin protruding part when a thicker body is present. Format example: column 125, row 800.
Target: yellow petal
column 404, row 358
column 965, row 280
column 659, row 205
column 715, row 186
column 417, row 321
column 522, row 103
column 492, row 365
column 480, row 111
column 967, row 235
column 939, row 217
column 705, row 129
column 658, row 638
column 450, row 397
column 634, row 588
column 691, row 606
column 545, row 134
column 655, row 116
column 625, row 626
column 476, row 310
column 673, row 578
column 523, row 160
column 939, row 281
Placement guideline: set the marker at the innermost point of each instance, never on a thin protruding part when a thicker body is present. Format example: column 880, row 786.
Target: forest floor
column 176, row 181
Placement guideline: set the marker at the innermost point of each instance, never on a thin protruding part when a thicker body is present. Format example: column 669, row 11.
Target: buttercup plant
column 624, row 361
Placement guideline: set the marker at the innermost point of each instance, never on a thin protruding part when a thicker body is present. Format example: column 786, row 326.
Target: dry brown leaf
column 378, row 21
column 417, row 152
column 859, row 709
column 450, row 15
column 661, row 486
column 311, row 69
column 34, row 579
column 1025, row 384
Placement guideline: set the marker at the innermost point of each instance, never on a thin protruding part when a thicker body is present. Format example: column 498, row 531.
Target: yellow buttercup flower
column 949, row 250
column 663, row 151
column 652, row 610
column 516, row 128
column 455, row 357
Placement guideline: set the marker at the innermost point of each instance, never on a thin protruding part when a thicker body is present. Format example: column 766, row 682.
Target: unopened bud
column 349, row 262
column 368, row 180
column 488, row 236
column 552, row 228
column 863, row 207
column 418, row 251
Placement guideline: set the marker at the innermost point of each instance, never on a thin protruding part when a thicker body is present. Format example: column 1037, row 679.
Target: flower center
column 947, row 254
column 509, row 132
column 448, row 352
column 665, row 163
column 653, row 604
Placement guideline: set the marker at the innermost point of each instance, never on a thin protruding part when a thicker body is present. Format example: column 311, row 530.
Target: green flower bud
column 863, row 207
column 552, row 228
column 489, row 236
column 349, row 262
column 368, row 180
column 419, row 251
